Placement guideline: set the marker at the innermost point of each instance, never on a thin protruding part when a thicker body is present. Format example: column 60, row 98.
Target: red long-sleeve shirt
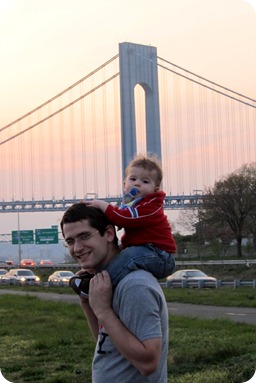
column 145, row 222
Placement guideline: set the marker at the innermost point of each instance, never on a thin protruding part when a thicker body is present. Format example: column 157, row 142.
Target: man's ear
column 110, row 233
column 157, row 188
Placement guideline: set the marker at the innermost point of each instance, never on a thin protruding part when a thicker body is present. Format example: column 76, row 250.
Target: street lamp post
column 19, row 243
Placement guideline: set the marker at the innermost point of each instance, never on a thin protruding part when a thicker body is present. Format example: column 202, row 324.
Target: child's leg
column 163, row 263
column 158, row 262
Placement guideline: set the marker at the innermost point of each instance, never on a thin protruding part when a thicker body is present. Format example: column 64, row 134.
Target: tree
column 231, row 202
column 221, row 233
column 188, row 219
column 251, row 227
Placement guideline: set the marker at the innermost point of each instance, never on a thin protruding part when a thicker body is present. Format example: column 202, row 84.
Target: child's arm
column 143, row 214
column 102, row 205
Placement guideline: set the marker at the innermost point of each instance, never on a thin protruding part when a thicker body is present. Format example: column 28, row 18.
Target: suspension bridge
column 77, row 144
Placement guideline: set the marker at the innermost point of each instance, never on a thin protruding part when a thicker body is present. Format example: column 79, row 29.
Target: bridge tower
column 138, row 65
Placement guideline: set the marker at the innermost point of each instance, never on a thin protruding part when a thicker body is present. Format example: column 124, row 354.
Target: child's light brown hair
column 148, row 162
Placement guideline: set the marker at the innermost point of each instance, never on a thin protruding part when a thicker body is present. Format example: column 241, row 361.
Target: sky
column 47, row 45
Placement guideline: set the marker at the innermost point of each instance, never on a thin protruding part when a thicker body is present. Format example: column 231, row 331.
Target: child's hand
column 102, row 205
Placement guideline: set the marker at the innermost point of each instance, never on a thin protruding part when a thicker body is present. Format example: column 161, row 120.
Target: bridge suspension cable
column 59, row 110
column 63, row 92
column 207, row 86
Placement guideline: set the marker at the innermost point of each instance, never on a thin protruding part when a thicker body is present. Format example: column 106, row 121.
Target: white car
column 62, row 277
column 21, row 277
column 2, row 273
column 189, row 275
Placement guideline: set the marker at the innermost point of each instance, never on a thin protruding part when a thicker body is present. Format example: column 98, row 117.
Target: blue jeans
column 146, row 257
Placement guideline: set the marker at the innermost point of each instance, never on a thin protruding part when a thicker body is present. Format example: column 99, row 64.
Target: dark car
column 20, row 276
column 46, row 262
column 27, row 262
column 9, row 262
column 192, row 276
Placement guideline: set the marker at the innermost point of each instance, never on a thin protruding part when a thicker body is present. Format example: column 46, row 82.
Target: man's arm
column 144, row 355
column 90, row 316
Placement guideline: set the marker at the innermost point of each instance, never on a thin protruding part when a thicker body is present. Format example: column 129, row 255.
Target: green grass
column 224, row 296
column 44, row 341
column 47, row 342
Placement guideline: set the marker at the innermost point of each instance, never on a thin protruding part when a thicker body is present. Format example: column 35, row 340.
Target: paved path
column 237, row 314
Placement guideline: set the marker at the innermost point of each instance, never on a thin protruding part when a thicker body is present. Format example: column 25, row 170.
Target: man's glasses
column 83, row 238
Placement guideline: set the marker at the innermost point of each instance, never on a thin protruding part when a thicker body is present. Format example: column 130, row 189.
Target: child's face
column 142, row 179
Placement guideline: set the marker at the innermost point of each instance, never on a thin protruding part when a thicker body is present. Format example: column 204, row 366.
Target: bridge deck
column 171, row 202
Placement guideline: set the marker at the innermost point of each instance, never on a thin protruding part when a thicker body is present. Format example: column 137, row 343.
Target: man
column 129, row 324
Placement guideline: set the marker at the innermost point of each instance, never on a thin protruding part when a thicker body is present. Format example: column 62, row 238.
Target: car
column 61, row 276
column 9, row 262
column 21, row 277
column 27, row 262
column 189, row 275
column 45, row 262
column 2, row 272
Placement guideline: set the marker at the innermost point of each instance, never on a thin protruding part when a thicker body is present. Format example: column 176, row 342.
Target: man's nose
column 78, row 245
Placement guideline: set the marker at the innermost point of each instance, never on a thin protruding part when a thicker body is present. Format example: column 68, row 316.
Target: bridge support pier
column 138, row 65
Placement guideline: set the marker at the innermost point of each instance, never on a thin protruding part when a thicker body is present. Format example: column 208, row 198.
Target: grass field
column 45, row 342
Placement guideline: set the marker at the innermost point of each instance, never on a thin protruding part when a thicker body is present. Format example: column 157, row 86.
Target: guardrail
column 6, row 282
column 209, row 284
column 246, row 262
column 168, row 284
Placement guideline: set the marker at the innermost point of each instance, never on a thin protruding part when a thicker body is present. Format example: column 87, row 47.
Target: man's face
column 86, row 245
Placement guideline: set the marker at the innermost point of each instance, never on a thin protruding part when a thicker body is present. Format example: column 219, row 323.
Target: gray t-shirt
column 140, row 304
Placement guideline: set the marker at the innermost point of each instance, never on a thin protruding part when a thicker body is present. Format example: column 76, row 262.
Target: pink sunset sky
column 48, row 45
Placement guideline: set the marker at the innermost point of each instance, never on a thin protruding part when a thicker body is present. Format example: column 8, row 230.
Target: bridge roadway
column 236, row 314
column 171, row 202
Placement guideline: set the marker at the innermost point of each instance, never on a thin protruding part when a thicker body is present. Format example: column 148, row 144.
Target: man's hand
column 100, row 297
column 84, row 299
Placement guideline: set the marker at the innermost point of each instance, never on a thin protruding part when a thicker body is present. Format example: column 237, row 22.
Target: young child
column 147, row 242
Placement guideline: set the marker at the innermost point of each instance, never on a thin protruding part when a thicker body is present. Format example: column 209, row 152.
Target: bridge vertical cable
column 220, row 128
column 167, row 151
column 83, row 140
column 65, row 147
column 105, row 133
column 178, row 129
column 191, row 139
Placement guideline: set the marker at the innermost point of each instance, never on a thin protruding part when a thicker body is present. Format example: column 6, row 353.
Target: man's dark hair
column 96, row 218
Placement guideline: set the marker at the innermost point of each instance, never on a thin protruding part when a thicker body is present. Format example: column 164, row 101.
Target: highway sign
column 46, row 236
column 23, row 237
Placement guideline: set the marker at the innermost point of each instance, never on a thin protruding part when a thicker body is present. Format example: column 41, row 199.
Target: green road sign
column 46, row 236
column 23, row 237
